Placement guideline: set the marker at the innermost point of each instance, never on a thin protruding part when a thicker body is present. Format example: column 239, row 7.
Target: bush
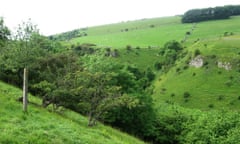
column 185, row 67
column 210, row 105
column 188, row 33
column 150, row 74
column 152, row 26
column 129, row 47
column 205, row 63
column 137, row 47
column 197, row 52
column 164, row 89
column 220, row 97
column 158, row 65
column 178, row 69
column 186, row 94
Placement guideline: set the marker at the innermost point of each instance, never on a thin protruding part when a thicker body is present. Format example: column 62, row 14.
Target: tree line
column 197, row 15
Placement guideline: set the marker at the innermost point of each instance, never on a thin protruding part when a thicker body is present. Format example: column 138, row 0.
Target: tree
column 24, row 33
column 20, row 53
column 4, row 37
column 4, row 33
column 96, row 91
column 198, row 15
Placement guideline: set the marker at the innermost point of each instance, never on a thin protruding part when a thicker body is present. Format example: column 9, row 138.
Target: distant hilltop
column 197, row 15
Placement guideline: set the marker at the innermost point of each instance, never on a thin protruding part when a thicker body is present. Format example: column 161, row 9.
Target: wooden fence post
column 25, row 89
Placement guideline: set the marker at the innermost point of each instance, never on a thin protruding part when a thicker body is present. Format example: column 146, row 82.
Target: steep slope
column 216, row 83
column 43, row 126
column 211, row 86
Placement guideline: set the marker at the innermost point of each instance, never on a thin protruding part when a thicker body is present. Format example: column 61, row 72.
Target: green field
column 209, row 87
column 139, row 34
column 41, row 126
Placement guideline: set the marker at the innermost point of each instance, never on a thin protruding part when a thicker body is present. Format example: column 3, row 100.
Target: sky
column 56, row 16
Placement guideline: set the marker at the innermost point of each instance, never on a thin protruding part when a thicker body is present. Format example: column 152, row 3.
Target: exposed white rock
column 225, row 65
column 197, row 62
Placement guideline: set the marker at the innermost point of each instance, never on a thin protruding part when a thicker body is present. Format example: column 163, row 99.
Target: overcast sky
column 55, row 16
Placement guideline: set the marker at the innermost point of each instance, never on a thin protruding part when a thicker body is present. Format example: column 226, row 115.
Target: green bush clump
column 186, row 95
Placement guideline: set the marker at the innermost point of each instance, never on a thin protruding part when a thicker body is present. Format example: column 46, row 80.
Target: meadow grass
column 210, row 87
column 139, row 33
column 42, row 126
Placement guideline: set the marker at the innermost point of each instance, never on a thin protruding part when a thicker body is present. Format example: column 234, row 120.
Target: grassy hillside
column 210, row 86
column 207, row 87
column 142, row 33
column 42, row 126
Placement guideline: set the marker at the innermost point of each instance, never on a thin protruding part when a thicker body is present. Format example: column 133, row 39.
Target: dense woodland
column 197, row 15
column 86, row 80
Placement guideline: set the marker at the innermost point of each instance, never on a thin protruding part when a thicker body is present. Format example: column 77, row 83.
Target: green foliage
column 69, row 35
column 197, row 52
column 173, row 45
column 197, row 15
column 117, row 91
column 84, row 49
column 4, row 33
column 95, row 90
column 213, row 127
column 43, row 126
column 186, row 95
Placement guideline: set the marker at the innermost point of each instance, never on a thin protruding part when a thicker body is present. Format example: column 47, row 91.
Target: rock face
column 225, row 65
column 197, row 62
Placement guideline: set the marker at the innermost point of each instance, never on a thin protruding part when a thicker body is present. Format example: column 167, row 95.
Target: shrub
column 228, row 83
column 231, row 103
column 158, row 65
column 185, row 67
column 220, row 97
column 186, row 94
column 137, row 47
column 197, row 52
column 210, row 105
column 115, row 53
column 164, row 89
column 152, row 26
column 213, row 56
column 129, row 47
column 150, row 74
column 225, row 34
column 178, row 69
column 205, row 63
column 188, row 33
column 186, row 100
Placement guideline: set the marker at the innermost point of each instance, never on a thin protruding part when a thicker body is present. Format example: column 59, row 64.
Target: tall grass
column 41, row 126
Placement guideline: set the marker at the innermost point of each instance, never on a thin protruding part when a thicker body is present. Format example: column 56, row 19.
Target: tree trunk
column 91, row 120
column 25, row 89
